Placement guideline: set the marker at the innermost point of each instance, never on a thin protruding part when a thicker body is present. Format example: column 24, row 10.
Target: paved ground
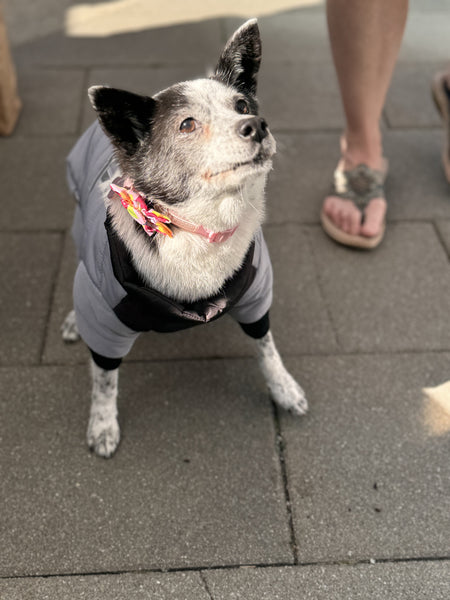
column 215, row 494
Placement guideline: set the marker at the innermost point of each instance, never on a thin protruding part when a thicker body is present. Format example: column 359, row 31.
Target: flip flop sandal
column 360, row 185
column 441, row 97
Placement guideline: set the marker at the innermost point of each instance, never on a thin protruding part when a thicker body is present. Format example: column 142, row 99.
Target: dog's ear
column 124, row 116
column 239, row 63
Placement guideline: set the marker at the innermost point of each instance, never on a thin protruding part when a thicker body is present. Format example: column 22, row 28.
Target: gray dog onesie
column 112, row 303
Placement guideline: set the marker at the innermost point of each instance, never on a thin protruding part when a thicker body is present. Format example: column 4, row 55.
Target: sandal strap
column 360, row 184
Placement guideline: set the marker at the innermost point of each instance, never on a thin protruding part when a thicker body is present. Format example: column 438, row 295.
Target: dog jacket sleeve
column 112, row 306
column 95, row 290
column 257, row 300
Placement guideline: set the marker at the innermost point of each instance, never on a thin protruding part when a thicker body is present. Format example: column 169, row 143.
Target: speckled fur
column 103, row 434
column 284, row 390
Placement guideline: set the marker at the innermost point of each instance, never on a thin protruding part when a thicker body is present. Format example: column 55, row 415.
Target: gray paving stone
column 416, row 188
column 420, row 581
column 394, row 299
column 443, row 228
column 141, row 80
column 421, row 6
column 300, row 319
column 157, row 586
column 301, row 176
column 33, row 173
column 55, row 350
column 300, row 96
column 367, row 469
column 179, row 44
column 300, row 322
column 425, row 38
column 51, row 101
column 27, row 265
column 409, row 102
column 196, row 481
column 27, row 21
column 301, row 35
column 298, row 36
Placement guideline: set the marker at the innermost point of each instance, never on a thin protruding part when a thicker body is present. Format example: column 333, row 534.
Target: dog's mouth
column 257, row 161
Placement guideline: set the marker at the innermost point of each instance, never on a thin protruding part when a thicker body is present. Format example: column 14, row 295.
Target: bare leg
column 365, row 39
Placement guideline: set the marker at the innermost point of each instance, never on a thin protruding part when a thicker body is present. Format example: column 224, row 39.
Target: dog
column 169, row 206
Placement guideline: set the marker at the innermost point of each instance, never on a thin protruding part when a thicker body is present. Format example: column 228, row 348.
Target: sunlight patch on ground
column 124, row 16
column 437, row 409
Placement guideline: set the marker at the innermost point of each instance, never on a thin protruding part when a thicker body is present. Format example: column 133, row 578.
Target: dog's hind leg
column 69, row 329
column 103, row 434
column 285, row 391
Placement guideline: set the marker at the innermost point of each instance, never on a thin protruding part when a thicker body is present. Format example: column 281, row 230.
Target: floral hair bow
column 151, row 220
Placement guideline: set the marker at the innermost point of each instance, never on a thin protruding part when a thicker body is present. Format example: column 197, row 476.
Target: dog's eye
column 188, row 125
column 242, row 107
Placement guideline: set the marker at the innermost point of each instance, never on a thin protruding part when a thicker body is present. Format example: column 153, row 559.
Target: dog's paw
column 69, row 329
column 103, row 435
column 287, row 393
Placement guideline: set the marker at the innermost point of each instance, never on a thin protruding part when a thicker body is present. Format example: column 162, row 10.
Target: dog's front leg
column 286, row 392
column 103, row 434
column 283, row 388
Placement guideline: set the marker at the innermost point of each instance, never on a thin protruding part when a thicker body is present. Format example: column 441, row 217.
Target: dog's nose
column 253, row 129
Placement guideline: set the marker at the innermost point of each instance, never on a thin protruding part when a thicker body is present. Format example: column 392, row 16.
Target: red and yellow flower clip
column 151, row 220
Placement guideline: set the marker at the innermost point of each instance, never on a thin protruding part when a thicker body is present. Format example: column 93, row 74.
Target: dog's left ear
column 239, row 63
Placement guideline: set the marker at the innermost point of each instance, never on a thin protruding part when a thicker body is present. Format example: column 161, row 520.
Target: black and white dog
column 170, row 202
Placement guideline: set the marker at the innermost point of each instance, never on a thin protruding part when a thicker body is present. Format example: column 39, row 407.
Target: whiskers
column 248, row 199
column 249, row 203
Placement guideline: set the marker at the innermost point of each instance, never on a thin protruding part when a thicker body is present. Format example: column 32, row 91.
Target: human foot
column 354, row 212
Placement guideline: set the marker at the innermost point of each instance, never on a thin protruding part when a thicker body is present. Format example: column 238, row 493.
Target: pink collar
column 211, row 236
column 154, row 221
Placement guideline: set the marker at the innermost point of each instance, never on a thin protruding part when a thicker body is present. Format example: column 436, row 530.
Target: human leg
column 365, row 38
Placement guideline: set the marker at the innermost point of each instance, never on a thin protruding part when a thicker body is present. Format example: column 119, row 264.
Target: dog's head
column 197, row 138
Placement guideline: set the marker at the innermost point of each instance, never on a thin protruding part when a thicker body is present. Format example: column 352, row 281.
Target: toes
column 374, row 217
column 350, row 220
column 300, row 404
column 354, row 222
column 103, row 437
column 287, row 393
column 343, row 213
column 347, row 217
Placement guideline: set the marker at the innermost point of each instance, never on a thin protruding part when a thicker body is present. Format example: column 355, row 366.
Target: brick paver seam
column 235, row 567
